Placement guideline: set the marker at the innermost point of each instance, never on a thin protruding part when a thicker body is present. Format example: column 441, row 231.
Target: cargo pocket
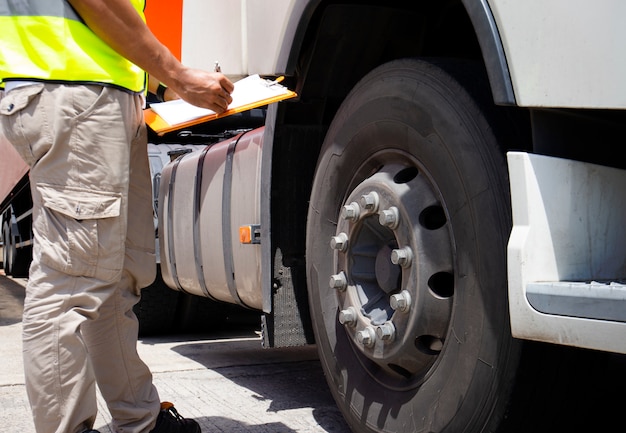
column 81, row 232
column 24, row 122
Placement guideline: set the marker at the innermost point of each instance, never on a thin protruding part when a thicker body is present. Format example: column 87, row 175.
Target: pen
column 217, row 67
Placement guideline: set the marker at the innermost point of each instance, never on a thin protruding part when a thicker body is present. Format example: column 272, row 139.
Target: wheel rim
column 393, row 272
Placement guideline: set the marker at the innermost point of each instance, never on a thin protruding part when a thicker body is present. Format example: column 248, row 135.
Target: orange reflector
column 250, row 234
column 245, row 234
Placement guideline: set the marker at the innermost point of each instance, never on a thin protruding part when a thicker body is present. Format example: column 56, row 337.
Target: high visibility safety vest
column 48, row 40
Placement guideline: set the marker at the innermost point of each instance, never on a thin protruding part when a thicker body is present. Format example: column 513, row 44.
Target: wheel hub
column 393, row 270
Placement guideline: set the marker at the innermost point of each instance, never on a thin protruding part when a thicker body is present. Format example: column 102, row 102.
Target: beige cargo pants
column 93, row 250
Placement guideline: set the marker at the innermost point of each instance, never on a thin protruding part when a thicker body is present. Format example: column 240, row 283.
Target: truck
column 440, row 209
column 160, row 310
column 15, row 211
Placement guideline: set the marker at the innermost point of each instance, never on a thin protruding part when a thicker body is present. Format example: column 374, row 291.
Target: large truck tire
column 156, row 309
column 406, row 253
column 21, row 263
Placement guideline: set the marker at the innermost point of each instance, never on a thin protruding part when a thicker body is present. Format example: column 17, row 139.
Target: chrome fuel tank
column 205, row 197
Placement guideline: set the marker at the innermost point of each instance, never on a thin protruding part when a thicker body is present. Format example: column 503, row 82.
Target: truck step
column 590, row 300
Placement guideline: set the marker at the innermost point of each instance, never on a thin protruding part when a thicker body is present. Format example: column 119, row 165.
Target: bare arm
column 117, row 23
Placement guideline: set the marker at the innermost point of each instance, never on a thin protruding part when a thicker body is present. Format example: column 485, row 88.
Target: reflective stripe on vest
column 47, row 40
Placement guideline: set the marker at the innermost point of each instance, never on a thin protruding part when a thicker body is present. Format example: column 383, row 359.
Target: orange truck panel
column 165, row 19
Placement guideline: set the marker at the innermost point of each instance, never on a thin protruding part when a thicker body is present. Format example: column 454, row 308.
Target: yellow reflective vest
column 48, row 40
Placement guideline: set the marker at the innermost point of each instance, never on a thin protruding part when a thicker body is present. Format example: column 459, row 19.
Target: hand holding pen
column 204, row 89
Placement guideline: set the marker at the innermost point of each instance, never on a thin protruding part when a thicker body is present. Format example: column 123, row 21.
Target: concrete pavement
column 224, row 379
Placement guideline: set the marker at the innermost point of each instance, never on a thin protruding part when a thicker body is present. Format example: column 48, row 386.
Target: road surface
column 224, row 379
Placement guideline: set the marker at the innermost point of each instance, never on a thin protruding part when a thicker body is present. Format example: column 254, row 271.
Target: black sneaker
column 91, row 431
column 170, row 421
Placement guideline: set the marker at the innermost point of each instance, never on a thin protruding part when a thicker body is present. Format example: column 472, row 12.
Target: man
column 74, row 84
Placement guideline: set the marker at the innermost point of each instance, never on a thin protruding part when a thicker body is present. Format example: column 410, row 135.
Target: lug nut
column 351, row 211
column 386, row 331
column 366, row 336
column 402, row 257
column 370, row 201
column 347, row 317
column 339, row 242
column 389, row 217
column 401, row 301
column 339, row 281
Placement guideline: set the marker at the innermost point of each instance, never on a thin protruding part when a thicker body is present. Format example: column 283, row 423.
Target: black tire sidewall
column 414, row 108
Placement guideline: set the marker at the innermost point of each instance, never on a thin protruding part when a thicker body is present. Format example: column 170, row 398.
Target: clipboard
column 250, row 92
